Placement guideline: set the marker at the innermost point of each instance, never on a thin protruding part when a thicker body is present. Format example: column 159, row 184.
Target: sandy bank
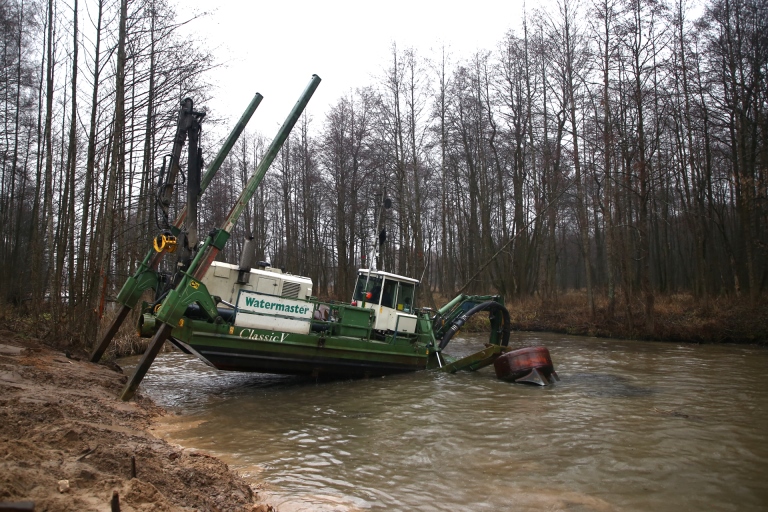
column 66, row 442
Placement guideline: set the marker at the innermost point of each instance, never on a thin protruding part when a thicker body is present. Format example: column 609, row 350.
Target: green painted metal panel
column 355, row 317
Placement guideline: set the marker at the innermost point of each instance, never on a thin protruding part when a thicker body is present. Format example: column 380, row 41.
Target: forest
column 613, row 147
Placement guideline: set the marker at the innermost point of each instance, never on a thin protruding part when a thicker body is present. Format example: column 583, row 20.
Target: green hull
column 317, row 354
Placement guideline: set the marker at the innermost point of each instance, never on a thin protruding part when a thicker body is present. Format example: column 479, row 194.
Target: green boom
column 145, row 276
column 190, row 290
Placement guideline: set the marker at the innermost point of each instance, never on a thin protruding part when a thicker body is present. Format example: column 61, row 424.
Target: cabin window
column 389, row 296
column 405, row 297
column 367, row 285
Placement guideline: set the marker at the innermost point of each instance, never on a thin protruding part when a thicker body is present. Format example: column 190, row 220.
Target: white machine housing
column 221, row 281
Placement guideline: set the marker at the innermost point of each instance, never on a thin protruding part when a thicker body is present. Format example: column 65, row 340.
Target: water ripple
column 631, row 427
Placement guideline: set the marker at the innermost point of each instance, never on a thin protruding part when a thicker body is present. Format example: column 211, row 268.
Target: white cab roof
column 387, row 275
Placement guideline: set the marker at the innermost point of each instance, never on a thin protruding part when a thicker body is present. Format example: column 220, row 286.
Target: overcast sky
column 275, row 47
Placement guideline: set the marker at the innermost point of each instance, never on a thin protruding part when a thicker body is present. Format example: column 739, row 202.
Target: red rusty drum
column 530, row 364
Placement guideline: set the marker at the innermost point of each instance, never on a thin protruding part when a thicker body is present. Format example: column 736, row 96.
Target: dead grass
column 677, row 317
column 127, row 341
column 69, row 333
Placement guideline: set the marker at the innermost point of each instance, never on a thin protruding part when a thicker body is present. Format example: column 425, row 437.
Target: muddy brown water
column 631, row 426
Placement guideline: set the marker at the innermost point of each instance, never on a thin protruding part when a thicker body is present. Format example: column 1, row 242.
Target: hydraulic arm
column 189, row 290
column 452, row 316
column 146, row 276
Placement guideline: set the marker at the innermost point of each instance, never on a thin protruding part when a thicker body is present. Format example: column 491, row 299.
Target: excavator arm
column 452, row 317
column 146, row 276
column 189, row 289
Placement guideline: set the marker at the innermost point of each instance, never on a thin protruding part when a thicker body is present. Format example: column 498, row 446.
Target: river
column 631, row 426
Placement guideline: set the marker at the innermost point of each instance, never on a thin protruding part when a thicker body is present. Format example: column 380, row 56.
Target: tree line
column 614, row 146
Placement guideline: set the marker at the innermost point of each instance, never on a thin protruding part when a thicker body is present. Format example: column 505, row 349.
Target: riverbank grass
column 677, row 317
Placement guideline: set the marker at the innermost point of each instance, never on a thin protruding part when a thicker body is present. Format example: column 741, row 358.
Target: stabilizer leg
column 146, row 361
column 113, row 328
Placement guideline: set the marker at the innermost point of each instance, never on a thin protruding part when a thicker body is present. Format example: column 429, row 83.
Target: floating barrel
column 530, row 364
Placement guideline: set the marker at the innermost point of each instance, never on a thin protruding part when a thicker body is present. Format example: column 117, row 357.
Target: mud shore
column 67, row 443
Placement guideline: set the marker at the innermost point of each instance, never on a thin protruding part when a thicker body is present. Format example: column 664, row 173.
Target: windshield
column 365, row 285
